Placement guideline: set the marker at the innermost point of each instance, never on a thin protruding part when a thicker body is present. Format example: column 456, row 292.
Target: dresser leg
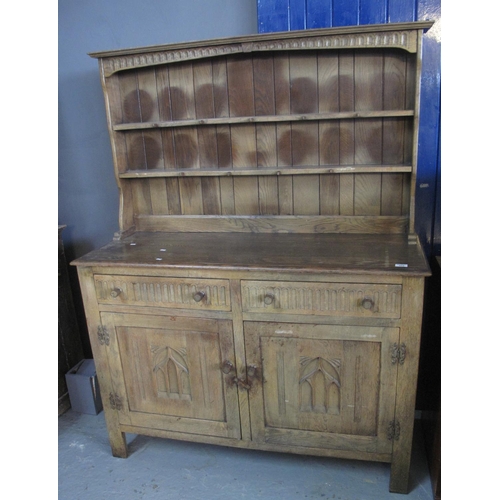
column 400, row 474
column 118, row 444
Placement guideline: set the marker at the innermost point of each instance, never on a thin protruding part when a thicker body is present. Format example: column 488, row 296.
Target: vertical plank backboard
column 241, row 103
column 159, row 201
column 152, row 142
column 191, row 196
column 282, row 93
column 268, row 195
column 183, row 107
column 329, row 195
column 266, row 141
column 210, row 188
column 246, row 195
column 204, row 108
column 227, row 196
column 329, row 133
column 283, row 15
column 134, row 144
column 221, row 109
column 346, row 131
column 328, row 96
column 304, row 98
column 165, row 114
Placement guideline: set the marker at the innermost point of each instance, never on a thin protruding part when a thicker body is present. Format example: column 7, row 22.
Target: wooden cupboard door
column 168, row 373
column 322, row 386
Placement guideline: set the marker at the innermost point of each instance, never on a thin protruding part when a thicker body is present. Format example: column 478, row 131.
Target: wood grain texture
column 266, row 280
column 412, row 308
column 171, row 376
column 116, row 436
column 240, row 357
column 321, row 299
column 320, row 39
column 325, row 194
column 297, row 87
column 298, row 224
column 327, row 253
column 335, row 401
column 162, row 292
column 205, row 108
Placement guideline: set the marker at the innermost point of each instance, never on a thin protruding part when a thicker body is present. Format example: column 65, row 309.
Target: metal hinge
column 102, row 335
column 398, row 353
column 393, row 430
column 115, row 401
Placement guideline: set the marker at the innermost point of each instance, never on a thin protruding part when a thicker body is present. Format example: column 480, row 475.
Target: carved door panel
column 322, row 386
column 168, row 373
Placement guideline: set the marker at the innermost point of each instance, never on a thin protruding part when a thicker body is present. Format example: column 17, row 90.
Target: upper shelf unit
column 285, row 103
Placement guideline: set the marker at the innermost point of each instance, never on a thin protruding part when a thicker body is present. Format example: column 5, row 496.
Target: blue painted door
column 286, row 15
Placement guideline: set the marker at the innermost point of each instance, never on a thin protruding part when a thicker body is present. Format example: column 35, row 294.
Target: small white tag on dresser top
column 400, row 265
column 285, row 332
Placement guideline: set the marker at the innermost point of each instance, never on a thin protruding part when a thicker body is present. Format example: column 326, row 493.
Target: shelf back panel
column 375, row 194
column 318, row 123
column 266, row 85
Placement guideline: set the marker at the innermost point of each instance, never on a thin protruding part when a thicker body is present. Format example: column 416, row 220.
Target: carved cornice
column 113, row 64
column 402, row 36
column 399, row 39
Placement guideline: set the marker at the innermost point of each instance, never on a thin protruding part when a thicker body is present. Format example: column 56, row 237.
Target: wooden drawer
column 185, row 293
column 332, row 299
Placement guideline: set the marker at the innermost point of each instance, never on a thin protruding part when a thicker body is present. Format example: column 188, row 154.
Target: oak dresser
column 265, row 287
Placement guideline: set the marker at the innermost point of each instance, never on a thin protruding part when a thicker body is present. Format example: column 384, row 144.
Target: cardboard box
column 83, row 388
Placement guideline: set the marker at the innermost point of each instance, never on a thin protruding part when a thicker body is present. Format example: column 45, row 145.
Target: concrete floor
column 173, row 470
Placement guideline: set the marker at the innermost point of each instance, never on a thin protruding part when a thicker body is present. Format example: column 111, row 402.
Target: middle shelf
column 304, row 170
column 261, row 119
column 311, row 145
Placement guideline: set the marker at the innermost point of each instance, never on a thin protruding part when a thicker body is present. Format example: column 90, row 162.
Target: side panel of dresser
column 410, row 335
column 100, row 352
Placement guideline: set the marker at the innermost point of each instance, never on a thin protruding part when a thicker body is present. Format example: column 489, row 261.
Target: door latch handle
column 242, row 384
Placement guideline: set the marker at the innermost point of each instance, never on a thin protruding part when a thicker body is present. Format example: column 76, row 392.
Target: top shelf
column 262, row 119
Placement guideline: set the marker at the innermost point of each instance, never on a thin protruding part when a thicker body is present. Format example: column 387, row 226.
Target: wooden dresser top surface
column 319, row 253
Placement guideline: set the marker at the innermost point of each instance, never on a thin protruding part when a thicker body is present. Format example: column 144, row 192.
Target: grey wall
column 88, row 196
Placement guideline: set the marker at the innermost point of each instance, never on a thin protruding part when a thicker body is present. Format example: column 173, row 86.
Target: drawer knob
column 115, row 292
column 367, row 303
column 198, row 296
column 227, row 367
column 268, row 299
